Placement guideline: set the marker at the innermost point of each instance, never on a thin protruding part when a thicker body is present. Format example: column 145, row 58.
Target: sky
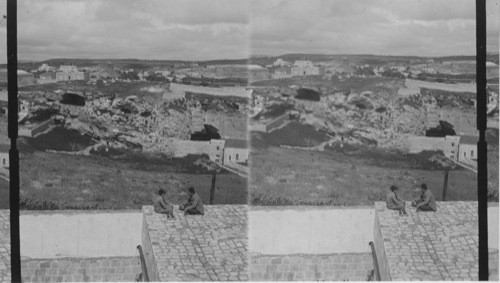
column 236, row 29
column 143, row 29
column 384, row 27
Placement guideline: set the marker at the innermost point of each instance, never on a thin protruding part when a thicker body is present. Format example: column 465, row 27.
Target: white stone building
column 467, row 152
column 235, row 151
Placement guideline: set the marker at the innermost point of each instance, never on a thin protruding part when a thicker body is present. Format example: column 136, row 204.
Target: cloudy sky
column 229, row 29
column 387, row 27
column 145, row 29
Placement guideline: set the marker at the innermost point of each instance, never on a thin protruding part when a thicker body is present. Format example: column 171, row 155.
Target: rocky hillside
column 378, row 117
column 137, row 122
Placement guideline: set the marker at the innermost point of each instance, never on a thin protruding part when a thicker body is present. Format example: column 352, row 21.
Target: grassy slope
column 58, row 181
column 287, row 176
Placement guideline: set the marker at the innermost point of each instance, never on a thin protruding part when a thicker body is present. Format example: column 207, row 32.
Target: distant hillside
column 257, row 60
column 354, row 59
column 224, row 62
column 489, row 58
column 138, row 63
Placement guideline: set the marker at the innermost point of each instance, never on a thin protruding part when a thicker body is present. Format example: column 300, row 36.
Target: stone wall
column 5, row 274
column 213, row 148
column 147, row 251
column 311, row 267
column 464, row 123
column 493, row 264
column 4, row 131
column 230, row 127
column 459, row 87
column 383, row 265
column 114, row 269
column 277, row 122
column 310, row 230
column 310, row 243
column 77, row 233
column 257, row 127
column 216, row 91
column 416, row 144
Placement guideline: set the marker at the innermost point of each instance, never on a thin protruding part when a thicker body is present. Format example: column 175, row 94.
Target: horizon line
column 248, row 58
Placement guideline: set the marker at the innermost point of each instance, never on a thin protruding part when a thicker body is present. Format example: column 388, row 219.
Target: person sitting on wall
column 426, row 202
column 194, row 205
column 161, row 206
column 394, row 203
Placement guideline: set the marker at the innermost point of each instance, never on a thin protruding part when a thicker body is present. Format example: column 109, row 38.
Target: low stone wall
column 310, row 243
column 79, row 233
column 310, row 229
column 383, row 265
column 416, row 144
column 114, row 269
column 34, row 130
column 185, row 147
column 460, row 87
column 493, row 264
column 277, row 122
column 311, row 267
column 257, row 127
column 216, row 91
column 147, row 252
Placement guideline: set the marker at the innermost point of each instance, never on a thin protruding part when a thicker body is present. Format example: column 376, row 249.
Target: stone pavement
column 197, row 248
column 5, row 275
column 431, row 246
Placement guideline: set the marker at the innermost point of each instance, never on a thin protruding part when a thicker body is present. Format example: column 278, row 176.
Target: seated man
column 426, row 202
column 161, row 206
column 394, row 203
column 193, row 205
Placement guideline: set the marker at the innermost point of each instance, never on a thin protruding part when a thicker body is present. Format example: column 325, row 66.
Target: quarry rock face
column 142, row 123
column 372, row 118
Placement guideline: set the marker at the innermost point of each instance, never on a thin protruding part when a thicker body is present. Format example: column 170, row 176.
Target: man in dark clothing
column 426, row 202
column 161, row 206
column 194, row 204
column 394, row 203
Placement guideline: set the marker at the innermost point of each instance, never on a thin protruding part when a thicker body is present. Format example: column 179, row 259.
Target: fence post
column 445, row 185
column 212, row 189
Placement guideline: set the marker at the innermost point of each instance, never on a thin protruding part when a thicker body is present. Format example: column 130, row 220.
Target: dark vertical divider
column 13, row 153
column 482, row 169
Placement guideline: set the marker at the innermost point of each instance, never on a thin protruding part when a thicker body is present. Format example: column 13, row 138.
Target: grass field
column 58, row 181
column 290, row 177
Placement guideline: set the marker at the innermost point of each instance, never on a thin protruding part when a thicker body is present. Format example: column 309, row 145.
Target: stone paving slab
column 440, row 245
column 5, row 275
column 212, row 247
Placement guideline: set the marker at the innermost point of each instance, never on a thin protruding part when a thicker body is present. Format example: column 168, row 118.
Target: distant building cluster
column 461, row 149
column 304, row 68
column 69, row 73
